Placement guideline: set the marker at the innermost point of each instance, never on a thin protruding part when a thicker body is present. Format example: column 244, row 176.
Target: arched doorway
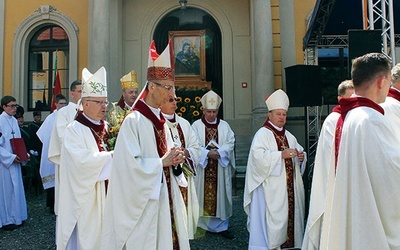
column 196, row 19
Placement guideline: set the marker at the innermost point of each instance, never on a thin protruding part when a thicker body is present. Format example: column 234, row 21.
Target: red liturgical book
column 18, row 146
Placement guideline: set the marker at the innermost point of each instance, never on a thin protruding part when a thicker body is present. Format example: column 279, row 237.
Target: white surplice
column 362, row 208
column 137, row 213
column 193, row 146
column 392, row 112
column 322, row 170
column 13, row 208
column 64, row 117
column 226, row 168
column 47, row 168
column 83, row 170
column 266, row 185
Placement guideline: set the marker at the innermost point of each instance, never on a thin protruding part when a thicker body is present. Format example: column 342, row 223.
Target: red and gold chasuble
column 161, row 139
column 283, row 144
column 210, row 172
column 99, row 133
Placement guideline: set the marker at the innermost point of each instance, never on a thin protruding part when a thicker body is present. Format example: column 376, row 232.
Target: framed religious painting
column 190, row 57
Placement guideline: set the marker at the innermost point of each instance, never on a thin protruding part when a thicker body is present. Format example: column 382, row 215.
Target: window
column 48, row 55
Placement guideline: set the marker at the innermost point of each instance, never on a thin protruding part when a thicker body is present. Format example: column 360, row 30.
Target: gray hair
column 396, row 73
column 343, row 86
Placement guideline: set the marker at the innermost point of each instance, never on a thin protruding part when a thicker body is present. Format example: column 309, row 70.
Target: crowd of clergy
column 167, row 181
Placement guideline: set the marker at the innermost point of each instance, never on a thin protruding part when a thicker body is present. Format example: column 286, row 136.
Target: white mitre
column 211, row 100
column 94, row 85
column 277, row 100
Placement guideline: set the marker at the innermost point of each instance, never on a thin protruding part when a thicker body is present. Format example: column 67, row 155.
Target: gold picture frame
column 190, row 57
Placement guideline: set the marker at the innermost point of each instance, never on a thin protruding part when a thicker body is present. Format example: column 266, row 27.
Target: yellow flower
column 187, row 99
column 179, row 99
column 111, row 129
column 196, row 113
column 201, row 108
column 180, row 114
column 197, row 99
column 192, row 106
column 183, row 109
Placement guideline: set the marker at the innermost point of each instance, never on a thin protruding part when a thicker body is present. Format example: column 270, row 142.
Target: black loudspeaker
column 303, row 85
column 362, row 42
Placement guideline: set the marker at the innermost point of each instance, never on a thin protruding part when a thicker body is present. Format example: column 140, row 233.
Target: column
column 99, row 35
column 262, row 59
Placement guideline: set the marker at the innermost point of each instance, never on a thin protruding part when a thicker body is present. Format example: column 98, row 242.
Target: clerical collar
column 169, row 117
column 276, row 127
column 7, row 115
column 97, row 122
column 156, row 111
column 213, row 122
column 126, row 105
column 145, row 110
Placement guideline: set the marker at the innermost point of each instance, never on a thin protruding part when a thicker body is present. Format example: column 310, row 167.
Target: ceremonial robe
column 192, row 145
column 362, row 208
column 83, row 171
column 266, row 186
column 392, row 109
column 137, row 213
column 323, row 170
column 65, row 116
column 226, row 167
column 13, row 208
column 47, row 168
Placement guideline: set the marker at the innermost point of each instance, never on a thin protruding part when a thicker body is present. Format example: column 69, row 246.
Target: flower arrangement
column 115, row 117
column 189, row 104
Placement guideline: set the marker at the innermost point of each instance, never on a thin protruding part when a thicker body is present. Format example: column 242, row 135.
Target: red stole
column 346, row 105
column 283, row 144
column 210, row 172
column 158, row 125
column 337, row 109
column 121, row 102
column 394, row 93
column 161, row 140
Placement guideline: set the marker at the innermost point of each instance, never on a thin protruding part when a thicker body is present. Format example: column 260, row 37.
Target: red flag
column 56, row 91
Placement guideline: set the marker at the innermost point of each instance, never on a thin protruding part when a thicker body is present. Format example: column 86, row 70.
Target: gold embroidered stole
column 283, row 144
column 210, row 173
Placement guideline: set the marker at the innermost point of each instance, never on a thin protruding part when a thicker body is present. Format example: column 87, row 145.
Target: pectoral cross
column 103, row 145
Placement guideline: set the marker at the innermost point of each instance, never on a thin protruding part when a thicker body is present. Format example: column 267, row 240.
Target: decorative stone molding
column 44, row 15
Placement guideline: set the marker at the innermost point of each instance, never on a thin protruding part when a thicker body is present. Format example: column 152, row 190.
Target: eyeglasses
column 100, row 103
column 166, row 87
column 13, row 106
column 77, row 91
column 62, row 103
column 173, row 99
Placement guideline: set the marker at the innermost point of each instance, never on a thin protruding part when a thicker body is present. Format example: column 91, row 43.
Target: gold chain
column 281, row 139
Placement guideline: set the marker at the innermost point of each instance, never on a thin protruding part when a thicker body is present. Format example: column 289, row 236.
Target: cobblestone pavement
column 38, row 230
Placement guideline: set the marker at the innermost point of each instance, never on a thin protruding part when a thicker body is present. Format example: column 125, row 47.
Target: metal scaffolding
column 379, row 14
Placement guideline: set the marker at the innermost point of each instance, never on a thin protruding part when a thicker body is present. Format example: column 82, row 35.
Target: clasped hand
column 173, row 157
column 213, row 154
column 293, row 152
